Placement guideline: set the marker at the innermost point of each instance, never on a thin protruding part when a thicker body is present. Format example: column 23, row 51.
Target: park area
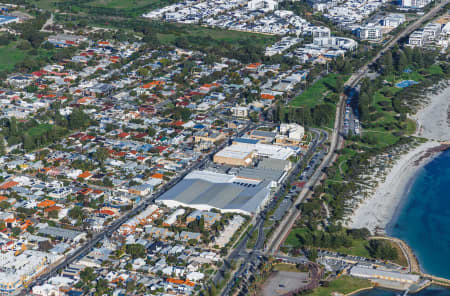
column 356, row 247
column 220, row 35
column 385, row 125
column 39, row 130
column 315, row 94
column 344, row 284
column 10, row 56
column 124, row 4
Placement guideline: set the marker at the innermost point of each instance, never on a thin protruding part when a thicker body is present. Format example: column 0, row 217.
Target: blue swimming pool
column 406, row 83
column 6, row 19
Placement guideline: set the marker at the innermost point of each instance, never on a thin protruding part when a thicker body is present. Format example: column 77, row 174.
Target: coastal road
column 336, row 140
column 251, row 257
column 356, row 77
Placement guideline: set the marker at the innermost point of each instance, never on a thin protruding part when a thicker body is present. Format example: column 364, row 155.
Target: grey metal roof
column 225, row 196
column 264, row 134
column 260, row 174
column 271, row 163
column 60, row 232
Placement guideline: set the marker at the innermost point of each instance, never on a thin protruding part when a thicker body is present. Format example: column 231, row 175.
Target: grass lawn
column 45, row 4
column 401, row 259
column 292, row 239
column 383, row 138
column 344, row 284
column 252, row 240
column 10, row 56
column 410, row 126
column 341, row 163
column 285, row 267
column 314, row 94
column 434, row 69
column 386, row 117
column 39, row 130
column 358, row 249
column 228, row 36
column 123, row 4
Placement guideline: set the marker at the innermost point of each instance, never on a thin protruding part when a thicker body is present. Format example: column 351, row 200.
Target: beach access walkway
column 413, row 263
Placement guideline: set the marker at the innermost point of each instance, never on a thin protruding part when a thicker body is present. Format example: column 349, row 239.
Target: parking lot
column 351, row 118
column 285, row 204
column 282, row 282
column 335, row 262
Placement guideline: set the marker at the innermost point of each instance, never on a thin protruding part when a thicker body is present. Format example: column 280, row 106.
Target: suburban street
column 87, row 247
column 284, row 201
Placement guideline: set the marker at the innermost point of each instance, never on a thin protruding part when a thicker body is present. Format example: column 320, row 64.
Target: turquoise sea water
column 431, row 291
column 423, row 218
column 423, row 221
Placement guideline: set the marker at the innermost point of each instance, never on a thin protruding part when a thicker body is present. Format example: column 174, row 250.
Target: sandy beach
column 432, row 120
column 376, row 211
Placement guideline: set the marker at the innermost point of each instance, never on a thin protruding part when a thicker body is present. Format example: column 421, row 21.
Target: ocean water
column 431, row 291
column 423, row 217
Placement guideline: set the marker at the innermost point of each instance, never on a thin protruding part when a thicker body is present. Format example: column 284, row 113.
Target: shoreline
column 433, row 119
column 379, row 211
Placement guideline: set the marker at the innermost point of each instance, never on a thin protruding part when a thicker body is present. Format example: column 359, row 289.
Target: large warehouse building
column 205, row 190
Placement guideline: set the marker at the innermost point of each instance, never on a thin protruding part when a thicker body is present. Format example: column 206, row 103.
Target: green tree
column 16, row 231
column 402, row 61
column 151, row 131
column 101, row 154
column 78, row 119
column 4, row 205
column 312, row 254
column 142, row 72
column 253, row 116
column 53, row 214
column 87, row 275
column 107, row 182
column 28, row 143
column 101, row 287
column 2, row 145
column 131, row 286
column 76, row 213
column 135, row 250
column 339, row 85
column 387, row 63
column 13, row 130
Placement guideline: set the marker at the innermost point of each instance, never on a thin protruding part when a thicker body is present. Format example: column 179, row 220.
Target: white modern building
column 370, row 32
column 371, row 273
column 262, row 4
column 336, row 43
column 318, row 32
column 415, row 3
column 239, row 111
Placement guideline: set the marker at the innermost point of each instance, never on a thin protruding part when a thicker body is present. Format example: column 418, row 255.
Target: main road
column 88, row 246
column 240, row 250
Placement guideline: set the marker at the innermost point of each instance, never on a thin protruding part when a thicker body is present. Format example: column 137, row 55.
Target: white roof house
column 370, row 273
